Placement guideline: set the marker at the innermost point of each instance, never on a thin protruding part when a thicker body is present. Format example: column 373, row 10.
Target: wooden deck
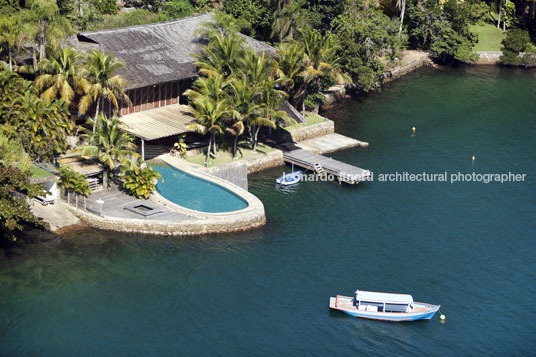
column 325, row 166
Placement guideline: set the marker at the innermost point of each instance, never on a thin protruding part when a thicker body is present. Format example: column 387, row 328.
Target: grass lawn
column 310, row 119
column 489, row 37
column 36, row 172
column 227, row 157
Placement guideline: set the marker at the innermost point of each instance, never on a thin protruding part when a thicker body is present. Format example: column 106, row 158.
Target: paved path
column 330, row 143
column 58, row 217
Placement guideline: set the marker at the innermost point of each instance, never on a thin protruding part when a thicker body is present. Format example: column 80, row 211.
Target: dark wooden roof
column 155, row 53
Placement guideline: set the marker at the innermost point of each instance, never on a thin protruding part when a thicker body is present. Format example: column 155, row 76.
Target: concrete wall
column 235, row 172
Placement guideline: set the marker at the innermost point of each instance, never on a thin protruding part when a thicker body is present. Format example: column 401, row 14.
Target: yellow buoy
column 413, row 129
column 473, row 157
column 442, row 317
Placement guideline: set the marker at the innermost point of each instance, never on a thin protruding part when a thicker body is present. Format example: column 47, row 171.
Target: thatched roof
column 155, row 53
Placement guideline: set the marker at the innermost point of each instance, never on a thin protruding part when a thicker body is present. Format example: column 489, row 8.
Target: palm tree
column 269, row 115
column 52, row 26
column 289, row 66
column 99, row 83
column 213, row 86
column 210, row 114
column 10, row 34
column 60, row 76
column 108, row 144
column 401, row 5
column 257, row 68
column 320, row 60
column 287, row 19
column 221, row 54
column 243, row 99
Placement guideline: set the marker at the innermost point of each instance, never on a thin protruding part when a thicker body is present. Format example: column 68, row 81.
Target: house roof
column 158, row 123
column 383, row 297
column 155, row 53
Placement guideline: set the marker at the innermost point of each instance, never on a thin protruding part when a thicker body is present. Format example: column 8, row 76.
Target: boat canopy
column 383, row 297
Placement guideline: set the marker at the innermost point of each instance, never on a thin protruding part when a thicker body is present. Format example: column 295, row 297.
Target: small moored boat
column 383, row 306
column 290, row 178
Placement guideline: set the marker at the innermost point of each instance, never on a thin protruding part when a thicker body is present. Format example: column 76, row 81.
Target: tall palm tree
column 52, row 26
column 10, row 34
column 269, row 115
column 289, row 66
column 99, row 82
column 401, row 5
column 257, row 68
column 210, row 115
column 213, row 86
column 320, row 60
column 287, row 19
column 108, row 144
column 221, row 54
column 60, row 75
column 243, row 100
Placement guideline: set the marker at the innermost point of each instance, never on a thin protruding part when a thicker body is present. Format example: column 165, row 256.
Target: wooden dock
column 325, row 166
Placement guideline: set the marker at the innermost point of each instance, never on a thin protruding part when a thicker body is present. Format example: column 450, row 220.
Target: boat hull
column 427, row 311
column 290, row 178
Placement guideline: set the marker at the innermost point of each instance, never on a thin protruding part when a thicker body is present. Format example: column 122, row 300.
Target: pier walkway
column 324, row 166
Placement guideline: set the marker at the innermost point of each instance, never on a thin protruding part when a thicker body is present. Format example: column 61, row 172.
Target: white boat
column 383, row 306
column 290, row 178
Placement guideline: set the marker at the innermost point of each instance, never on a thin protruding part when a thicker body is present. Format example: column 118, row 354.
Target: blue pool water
column 195, row 193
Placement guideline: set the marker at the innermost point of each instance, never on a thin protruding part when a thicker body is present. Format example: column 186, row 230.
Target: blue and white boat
column 290, row 178
column 383, row 306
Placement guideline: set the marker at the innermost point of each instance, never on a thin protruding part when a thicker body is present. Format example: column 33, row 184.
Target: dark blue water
column 195, row 193
column 467, row 246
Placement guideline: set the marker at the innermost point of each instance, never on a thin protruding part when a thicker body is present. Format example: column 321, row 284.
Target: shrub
column 74, row 181
column 108, row 7
column 516, row 42
column 139, row 179
column 178, row 8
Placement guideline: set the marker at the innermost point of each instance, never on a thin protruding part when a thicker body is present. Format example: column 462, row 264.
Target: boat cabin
column 383, row 302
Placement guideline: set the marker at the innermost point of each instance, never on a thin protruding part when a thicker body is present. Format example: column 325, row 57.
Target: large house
column 159, row 67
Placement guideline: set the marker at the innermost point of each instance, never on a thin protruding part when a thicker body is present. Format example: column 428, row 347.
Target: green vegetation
column 244, row 152
column 15, row 212
column 236, row 92
column 37, row 172
column 73, row 181
column 517, row 48
column 489, row 37
column 40, row 127
column 110, row 146
column 310, row 119
column 139, row 179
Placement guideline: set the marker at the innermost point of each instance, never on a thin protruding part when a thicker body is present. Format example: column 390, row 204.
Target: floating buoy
column 473, row 157
column 442, row 317
column 413, row 129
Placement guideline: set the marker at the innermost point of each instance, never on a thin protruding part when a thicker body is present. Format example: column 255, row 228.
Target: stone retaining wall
column 271, row 159
column 403, row 70
column 172, row 228
column 312, row 131
column 488, row 57
column 334, row 94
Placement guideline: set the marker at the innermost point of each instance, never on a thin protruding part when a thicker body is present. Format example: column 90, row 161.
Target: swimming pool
column 196, row 193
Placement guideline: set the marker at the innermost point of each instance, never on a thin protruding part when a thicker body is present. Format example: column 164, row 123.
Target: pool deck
column 115, row 202
column 174, row 220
